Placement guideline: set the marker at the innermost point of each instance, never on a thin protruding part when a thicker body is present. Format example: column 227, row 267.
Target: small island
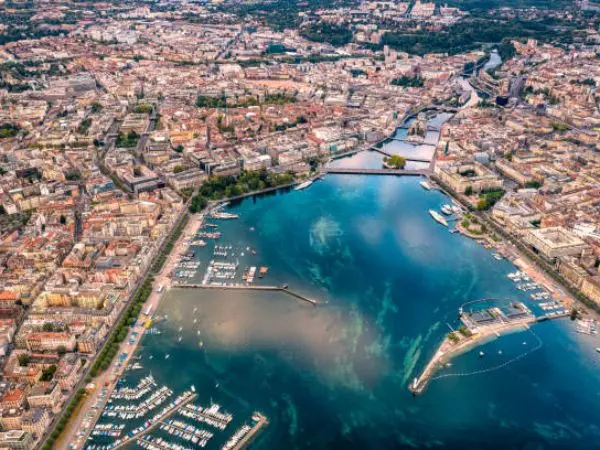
column 394, row 162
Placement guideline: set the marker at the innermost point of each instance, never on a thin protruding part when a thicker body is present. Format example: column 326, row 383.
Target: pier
column 448, row 348
column 396, row 172
column 249, row 437
column 242, row 287
column 157, row 422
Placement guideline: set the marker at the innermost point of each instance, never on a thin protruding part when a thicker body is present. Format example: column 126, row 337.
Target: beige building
column 16, row 440
column 50, row 341
column 44, row 394
column 590, row 287
column 555, row 242
column 36, row 420
column 473, row 175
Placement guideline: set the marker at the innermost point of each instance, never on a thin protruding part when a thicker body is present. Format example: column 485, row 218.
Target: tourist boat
column 598, row 349
column 425, row 185
column 262, row 271
column 303, row 185
column 438, row 217
column 224, row 215
column 447, row 209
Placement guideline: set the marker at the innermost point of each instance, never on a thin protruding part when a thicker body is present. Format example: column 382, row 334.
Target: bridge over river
column 396, row 172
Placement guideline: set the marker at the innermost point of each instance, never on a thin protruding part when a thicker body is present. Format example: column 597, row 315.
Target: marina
column 299, row 362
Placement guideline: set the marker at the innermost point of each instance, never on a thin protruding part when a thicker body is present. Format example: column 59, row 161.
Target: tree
column 179, row 148
column 61, row 350
column 48, row 373
column 177, row 169
column 63, row 220
column 48, row 327
column 395, row 161
column 469, row 190
column 23, row 360
column 574, row 315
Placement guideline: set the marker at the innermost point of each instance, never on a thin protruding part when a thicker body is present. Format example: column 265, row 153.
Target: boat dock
column 188, row 398
column 242, row 287
column 249, row 437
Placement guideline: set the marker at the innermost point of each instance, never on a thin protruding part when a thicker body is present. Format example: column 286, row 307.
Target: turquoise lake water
column 389, row 280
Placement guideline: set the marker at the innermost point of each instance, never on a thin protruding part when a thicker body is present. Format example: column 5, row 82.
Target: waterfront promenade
column 93, row 405
column 449, row 348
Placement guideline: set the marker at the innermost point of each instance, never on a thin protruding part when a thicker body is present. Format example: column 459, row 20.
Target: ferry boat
column 303, row 185
column 438, row 217
column 425, row 185
column 447, row 209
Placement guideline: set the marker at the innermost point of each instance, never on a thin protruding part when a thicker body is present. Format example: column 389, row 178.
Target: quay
column 243, row 287
column 260, row 424
column 448, row 349
column 166, row 415
column 396, row 172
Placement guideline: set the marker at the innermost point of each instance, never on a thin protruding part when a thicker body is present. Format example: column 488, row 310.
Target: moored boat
column 438, row 217
column 303, row 185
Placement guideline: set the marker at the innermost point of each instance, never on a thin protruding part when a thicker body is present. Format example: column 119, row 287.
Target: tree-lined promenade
column 127, row 319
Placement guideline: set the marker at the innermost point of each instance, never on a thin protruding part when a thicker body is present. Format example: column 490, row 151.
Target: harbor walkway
column 448, row 348
column 396, row 172
column 188, row 398
column 243, row 287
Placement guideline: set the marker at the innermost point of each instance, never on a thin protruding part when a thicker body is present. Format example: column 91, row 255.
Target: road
column 80, row 427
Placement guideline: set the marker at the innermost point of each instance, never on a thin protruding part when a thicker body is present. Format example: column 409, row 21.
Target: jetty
column 478, row 334
column 395, row 172
column 168, row 413
column 249, row 437
column 244, row 287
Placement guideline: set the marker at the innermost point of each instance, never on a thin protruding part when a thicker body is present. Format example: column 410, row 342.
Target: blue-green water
column 390, row 280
